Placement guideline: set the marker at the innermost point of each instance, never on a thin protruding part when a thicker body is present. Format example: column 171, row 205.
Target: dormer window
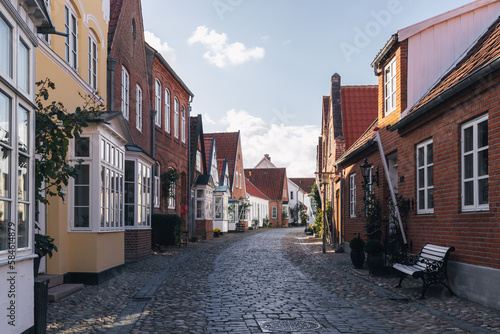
column 390, row 87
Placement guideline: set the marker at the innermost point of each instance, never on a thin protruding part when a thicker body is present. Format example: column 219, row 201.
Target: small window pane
column 430, row 155
column 82, row 147
column 430, row 198
column 421, row 199
column 23, row 229
column 421, row 179
column 421, row 159
column 469, row 193
column 81, row 217
column 23, row 67
column 469, row 166
column 482, row 134
column 4, row 220
column 482, row 163
column 22, row 129
column 483, row 191
column 23, row 178
column 430, row 176
column 468, row 139
column 5, row 47
column 4, row 118
column 4, row 172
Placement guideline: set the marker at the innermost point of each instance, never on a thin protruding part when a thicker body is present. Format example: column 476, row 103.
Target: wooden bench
column 430, row 265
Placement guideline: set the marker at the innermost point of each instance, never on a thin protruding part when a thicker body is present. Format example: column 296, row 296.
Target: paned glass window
column 92, row 62
column 352, row 195
column 390, row 87
column 23, row 67
column 71, row 42
column 425, row 177
column 158, row 102
column 176, row 118
column 5, row 47
column 138, row 108
column 125, row 92
column 167, row 110
column 183, row 124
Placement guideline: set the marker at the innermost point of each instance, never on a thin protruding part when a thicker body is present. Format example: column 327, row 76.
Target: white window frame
column 167, row 110
column 25, row 82
column 183, row 124
column 425, row 170
column 352, row 195
column 475, row 179
column 274, row 212
column 200, row 203
column 158, row 91
column 7, row 51
column 142, row 182
column 93, row 61
column 176, row 118
column 46, row 37
column 138, row 107
column 125, row 93
column 71, row 41
column 218, row 208
column 390, row 76
column 157, row 188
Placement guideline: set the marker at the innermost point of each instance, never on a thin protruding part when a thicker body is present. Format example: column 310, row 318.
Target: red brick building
column 128, row 91
column 170, row 99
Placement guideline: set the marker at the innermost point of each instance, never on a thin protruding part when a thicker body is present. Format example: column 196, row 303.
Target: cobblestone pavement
column 261, row 281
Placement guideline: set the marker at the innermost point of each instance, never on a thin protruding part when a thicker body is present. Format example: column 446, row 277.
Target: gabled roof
column 253, row 190
column 209, row 152
column 305, row 183
column 196, row 131
column 227, row 147
column 114, row 14
column 221, row 167
column 482, row 58
column 359, row 109
column 268, row 180
column 364, row 142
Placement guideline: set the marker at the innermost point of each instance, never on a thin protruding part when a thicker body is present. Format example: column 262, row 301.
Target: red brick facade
column 137, row 244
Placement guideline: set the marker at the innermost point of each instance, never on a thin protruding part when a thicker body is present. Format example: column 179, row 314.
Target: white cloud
column 293, row 147
column 162, row 47
column 220, row 51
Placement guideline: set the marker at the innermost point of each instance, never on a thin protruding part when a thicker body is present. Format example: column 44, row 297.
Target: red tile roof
column 114, row 14
column 208, row 151
column 305, row 183
column 486, row 50
column 220, row 167
column 253, row 190
column 227, row 147
column 268, row 180
column 366, row 139
column 359, row 109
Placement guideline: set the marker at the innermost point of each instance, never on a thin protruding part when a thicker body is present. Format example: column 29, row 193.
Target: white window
column 71, row 43
column 137, row 194
column 218, row 207
column 23, row 67
column 198, row 161
column 390, row 87
column 157, row 187
column 46, row 37
column 352, row 195
column 167, row 110
column 172, row 196
column 274, row 213
column 291, row 194
column 475, row 170
column 112, row 192
column 425, row 177
column 138, row 107
column 5, row 47
column 176, row 118
column 183, row 124
column 158, row 102
column 200, row 203
column 23, row 179
column 125, row 93
column 92, row 62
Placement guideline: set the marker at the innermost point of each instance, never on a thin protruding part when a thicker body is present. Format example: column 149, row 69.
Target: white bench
column 429, row 265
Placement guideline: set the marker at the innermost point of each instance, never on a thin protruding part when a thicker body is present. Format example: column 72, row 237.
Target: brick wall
column 204, row 229
column 137, row 244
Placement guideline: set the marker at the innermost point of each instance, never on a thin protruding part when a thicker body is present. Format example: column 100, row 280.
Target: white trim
column 425, row 168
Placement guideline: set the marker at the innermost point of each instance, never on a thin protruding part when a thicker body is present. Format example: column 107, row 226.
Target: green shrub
column 166, row 230
column 357, row 243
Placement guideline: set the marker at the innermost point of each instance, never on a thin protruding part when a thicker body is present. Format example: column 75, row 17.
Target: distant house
column 229, row 147
column 273, row 183
column 305, row 196
column 259, row 206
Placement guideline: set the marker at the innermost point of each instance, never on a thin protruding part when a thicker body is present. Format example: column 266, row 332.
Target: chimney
column 267, row 157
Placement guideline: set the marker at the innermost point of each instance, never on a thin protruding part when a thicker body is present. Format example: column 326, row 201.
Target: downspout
column 190, row 215
column 153, row 155
column 111, row 70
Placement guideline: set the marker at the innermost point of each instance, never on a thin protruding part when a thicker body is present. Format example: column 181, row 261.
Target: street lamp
column 366, row 170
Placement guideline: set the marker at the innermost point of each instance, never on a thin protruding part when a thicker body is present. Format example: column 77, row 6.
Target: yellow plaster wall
column 94, row 252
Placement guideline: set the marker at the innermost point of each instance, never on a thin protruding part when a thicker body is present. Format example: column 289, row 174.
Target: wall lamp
column 367, row 171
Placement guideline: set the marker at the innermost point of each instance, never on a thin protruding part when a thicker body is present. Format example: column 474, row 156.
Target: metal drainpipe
column 189, row 180
column 111, row 69
column 153, row 154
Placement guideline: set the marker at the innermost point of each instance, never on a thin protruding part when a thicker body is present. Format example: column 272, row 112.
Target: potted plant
column 309, row 230
column 357, row 253
column 375, row 258
column 217, row 232
column 44, row 244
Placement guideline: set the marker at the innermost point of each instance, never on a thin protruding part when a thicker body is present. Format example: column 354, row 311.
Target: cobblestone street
column 261, row 281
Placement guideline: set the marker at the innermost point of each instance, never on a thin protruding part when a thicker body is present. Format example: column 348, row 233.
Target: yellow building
column 88, row 225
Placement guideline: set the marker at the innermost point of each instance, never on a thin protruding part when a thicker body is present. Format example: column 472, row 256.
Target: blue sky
column 262, row 66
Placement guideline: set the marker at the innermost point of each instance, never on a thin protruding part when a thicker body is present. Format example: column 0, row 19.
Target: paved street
column 262, row 281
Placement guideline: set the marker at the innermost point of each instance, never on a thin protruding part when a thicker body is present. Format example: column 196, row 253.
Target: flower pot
column 357, row 258
column 375, row 264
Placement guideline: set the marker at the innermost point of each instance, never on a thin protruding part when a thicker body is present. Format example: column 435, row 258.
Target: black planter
column 358, row 258
column 375, row 264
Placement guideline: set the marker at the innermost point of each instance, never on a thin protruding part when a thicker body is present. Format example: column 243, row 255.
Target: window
column 200, row 204
column 112, row 192
column 198, row 161
column 167, row 110
column 475, row 172
column 425, row 177
column 157, row 187
column 71, row 43
column 274, row 213
column 23, row 59
column 125, row 92
column 137, row 194
column 352, row 195
column 172, row 195
column 183, row 124
column 138, row 108
column 158, row 102
column 291, row 194
column 92, row 62
column 82, row 198
column 23, row 227
column 218, row 208
column 5, row 47
column 390, row 87
column 176, row 118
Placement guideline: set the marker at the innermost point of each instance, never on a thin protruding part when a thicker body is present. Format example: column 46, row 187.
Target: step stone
column 63, row 290
column 54, row 279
